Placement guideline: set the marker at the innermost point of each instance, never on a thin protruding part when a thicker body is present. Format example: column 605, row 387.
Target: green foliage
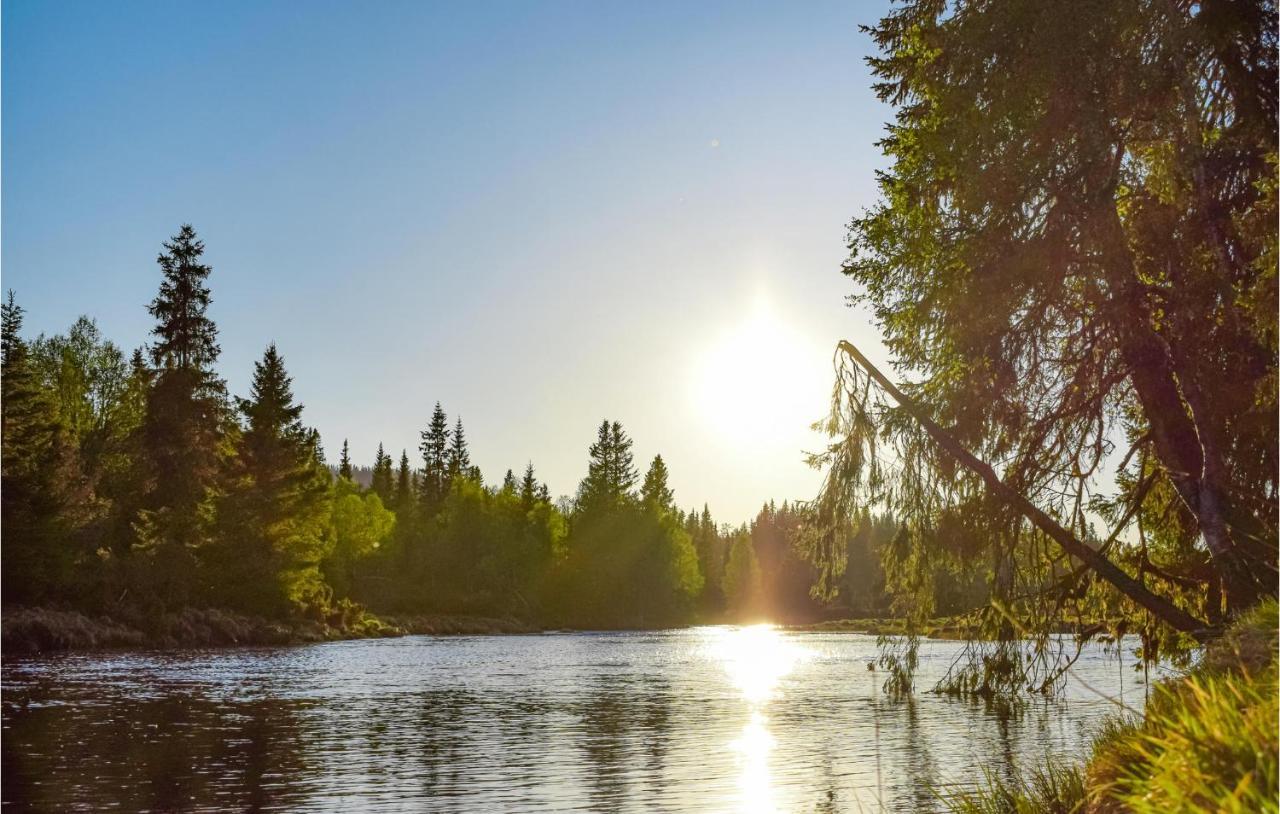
column 344, row 462
column 435, row 460
column 275, row 520
column 1054, row 788
column 133, row 486
column 611, row 472
column 742, row 588
column 42, row 495
column 1209, row 742
column 360, row 525
column 1069, row 250
column 654, row 492
column 626, row 567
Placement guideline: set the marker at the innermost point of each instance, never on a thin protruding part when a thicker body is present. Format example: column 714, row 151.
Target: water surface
column 705, row 719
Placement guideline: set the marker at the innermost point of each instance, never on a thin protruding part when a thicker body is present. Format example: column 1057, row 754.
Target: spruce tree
column 381, row 482
column 275, row 516
column 611, row 471
column 186, row 408
column 528, row 488
column 435, row 460
column 344, row 462
column 459, row 459
column 404, row 483
column 509, row 486
column 654, row 493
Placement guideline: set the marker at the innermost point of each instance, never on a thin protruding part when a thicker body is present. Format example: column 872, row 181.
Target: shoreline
column 33, row 631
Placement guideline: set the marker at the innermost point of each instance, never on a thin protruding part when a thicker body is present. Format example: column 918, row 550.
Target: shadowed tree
column 434, row 484
column 39, row 474
column 1074, row 250
column 344, row 462
column 185, row 417
column 654, row 493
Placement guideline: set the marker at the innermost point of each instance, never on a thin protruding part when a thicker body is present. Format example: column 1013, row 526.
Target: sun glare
column 760, row 379
column 756, row 659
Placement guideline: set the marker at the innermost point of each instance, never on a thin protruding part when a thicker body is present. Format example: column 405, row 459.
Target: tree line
column 138, row 481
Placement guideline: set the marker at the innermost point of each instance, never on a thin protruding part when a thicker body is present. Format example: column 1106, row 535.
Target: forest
column 136, row 485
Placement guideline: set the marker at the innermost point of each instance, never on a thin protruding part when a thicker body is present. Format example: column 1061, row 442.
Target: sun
column 760, row 379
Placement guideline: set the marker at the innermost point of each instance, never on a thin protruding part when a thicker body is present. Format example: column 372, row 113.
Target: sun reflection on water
column 756, row 658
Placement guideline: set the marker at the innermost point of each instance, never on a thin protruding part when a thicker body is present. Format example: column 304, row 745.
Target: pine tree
column 435, row 460
column 654, row 493
column 344, row 462
column 509, row 485
column 275, row 517
column 459, row 459
column 186, row 409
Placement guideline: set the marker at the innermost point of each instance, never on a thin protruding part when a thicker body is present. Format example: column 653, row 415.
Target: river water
column 704, row 719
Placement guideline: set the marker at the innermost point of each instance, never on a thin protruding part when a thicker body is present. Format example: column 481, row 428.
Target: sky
column 539, row 214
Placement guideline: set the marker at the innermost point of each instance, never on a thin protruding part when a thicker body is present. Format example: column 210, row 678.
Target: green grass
column 1208, row 742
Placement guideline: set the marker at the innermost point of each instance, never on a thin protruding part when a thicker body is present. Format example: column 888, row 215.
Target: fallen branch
column 1163, row 609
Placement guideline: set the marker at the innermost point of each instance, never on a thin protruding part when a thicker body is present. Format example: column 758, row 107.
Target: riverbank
column 44, row 630
column 1209, row 742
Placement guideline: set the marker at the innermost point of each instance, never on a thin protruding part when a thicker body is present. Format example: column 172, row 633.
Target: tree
column 654, row 493
column 344, row 462
column 459, row 459
column 611, row 471
column 435, row 460
column 186, row 410
column 360, row 524
column 404, row 483
column 742, row 576
column 711, row 550
column 509, row 485
column 381, row 483
column 529, row 489
column 276, row 517
column 1075, row 245
column 40, row 494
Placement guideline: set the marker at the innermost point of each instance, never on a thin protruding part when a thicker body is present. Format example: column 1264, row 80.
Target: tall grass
column 1209, row 742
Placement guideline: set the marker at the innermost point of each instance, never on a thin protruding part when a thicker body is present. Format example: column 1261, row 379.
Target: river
column 703, row 719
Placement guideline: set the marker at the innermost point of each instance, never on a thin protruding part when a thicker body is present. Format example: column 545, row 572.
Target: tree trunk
column 1179, row 442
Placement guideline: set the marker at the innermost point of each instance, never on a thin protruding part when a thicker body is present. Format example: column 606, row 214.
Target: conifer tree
column 186, row 410
column 611, row 471
column 459, row 459
column 382, row 479
column 38, row 473
column 344, row 462
column 528, row 488
column 276, row 515
column 404, row 483
column 435, row 460
column 654, row 493
column 509, row 485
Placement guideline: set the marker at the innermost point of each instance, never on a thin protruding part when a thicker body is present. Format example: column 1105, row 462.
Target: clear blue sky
column 540, row 214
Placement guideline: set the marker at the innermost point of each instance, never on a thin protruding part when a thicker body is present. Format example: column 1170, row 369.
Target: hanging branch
column 1127, row 585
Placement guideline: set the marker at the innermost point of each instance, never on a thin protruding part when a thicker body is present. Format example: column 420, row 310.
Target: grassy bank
column 1208, row 743
column 43, row 630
